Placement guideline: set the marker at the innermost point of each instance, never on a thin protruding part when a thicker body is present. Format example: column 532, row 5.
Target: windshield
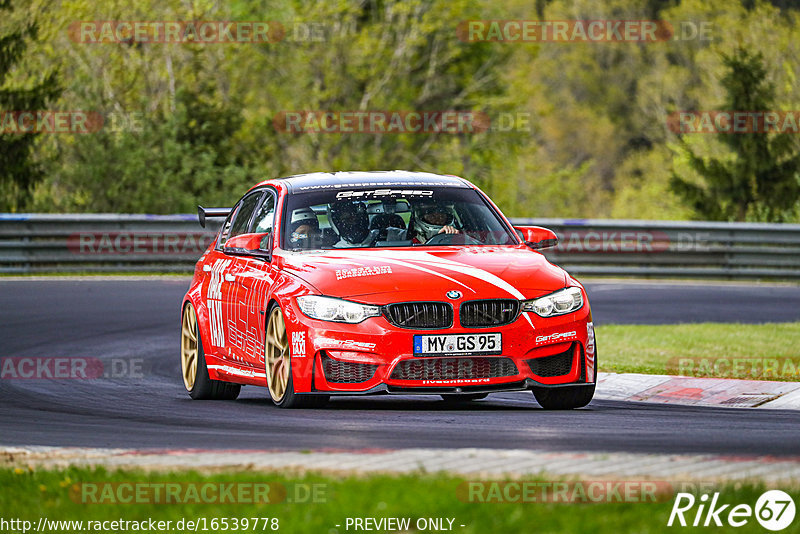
column 370, row 218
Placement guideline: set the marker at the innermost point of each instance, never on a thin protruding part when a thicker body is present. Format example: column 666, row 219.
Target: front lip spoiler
column 383, row 389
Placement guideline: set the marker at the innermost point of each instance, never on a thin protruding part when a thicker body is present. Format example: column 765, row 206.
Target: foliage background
column 191, row 123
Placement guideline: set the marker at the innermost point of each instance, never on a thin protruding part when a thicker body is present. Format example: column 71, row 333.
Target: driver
column 303, row 227
column 430, row 219
column 350, row 220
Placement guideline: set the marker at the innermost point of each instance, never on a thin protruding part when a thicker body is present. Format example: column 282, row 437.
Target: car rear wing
column 204, row 213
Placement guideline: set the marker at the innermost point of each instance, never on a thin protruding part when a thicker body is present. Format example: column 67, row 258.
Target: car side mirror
column 258, row 245
column 537, row 237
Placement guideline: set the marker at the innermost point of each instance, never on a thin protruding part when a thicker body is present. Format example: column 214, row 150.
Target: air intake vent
column 477, row 313
column 420, row 314
column 555, row 365
column 337, row 372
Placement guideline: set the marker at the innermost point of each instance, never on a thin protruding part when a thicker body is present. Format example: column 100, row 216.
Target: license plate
column 459, row 344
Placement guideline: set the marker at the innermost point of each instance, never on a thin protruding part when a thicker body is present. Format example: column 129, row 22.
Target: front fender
column 284, row 292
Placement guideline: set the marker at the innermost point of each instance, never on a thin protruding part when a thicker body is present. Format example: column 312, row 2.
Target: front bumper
column 376, row 357
column 384, row 389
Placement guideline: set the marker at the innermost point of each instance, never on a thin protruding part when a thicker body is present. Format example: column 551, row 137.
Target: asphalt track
column 136, row 321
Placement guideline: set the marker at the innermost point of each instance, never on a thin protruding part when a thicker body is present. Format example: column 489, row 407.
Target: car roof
column 317, row 181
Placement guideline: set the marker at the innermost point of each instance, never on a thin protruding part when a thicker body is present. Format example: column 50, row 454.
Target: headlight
column 562, row 301
column 338, row 310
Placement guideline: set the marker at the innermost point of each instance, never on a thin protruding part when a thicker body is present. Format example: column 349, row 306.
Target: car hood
column 392, row 275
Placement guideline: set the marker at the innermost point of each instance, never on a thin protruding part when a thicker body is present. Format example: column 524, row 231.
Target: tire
column 455, row 398
column 564, row 398
column 292, row 400
column 196, row 381
column 278, row 366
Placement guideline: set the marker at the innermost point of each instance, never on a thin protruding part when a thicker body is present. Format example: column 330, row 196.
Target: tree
column 18, row 170
column 761, row 180
column 171, row 162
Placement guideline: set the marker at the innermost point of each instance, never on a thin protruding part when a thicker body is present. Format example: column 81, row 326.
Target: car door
column 227, row 323
column 253, row 281
column 215, row 265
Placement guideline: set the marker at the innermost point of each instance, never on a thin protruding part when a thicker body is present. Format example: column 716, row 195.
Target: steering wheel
column 447, row 239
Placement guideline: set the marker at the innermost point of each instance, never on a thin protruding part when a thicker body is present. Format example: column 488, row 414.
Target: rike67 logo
column 774, row 510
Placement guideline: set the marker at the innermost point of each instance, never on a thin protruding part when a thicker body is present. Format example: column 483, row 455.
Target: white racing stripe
column 413, row 260
column 480, row 274
column 475, row 272
column 429, row 259
column 235, row 371
column 462, row 268
column 401, row 263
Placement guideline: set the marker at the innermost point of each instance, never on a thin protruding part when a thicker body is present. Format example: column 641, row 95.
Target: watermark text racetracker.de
column 71, row 368
column 179, row 32
column 139, row 242
column 582, row 31
column 399, row 122
column 734, row 122
column 776, row 368
column 172, row 492
column 77, row 122
column 630, row 241
column 50, row 122
column 208, row 31
column 572, row 492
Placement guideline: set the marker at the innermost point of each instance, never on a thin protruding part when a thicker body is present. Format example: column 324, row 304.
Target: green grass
column 29, row 495
column 713, row 348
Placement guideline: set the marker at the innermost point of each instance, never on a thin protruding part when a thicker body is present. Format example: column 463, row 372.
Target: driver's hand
column 449, row 230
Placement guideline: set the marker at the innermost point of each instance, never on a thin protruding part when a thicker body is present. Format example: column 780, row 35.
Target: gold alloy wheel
column 276, row 358
column 189, row 346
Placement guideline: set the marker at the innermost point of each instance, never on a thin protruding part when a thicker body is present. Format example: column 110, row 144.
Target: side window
column 226, row 228
column 265, row 215
column 241, row 220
